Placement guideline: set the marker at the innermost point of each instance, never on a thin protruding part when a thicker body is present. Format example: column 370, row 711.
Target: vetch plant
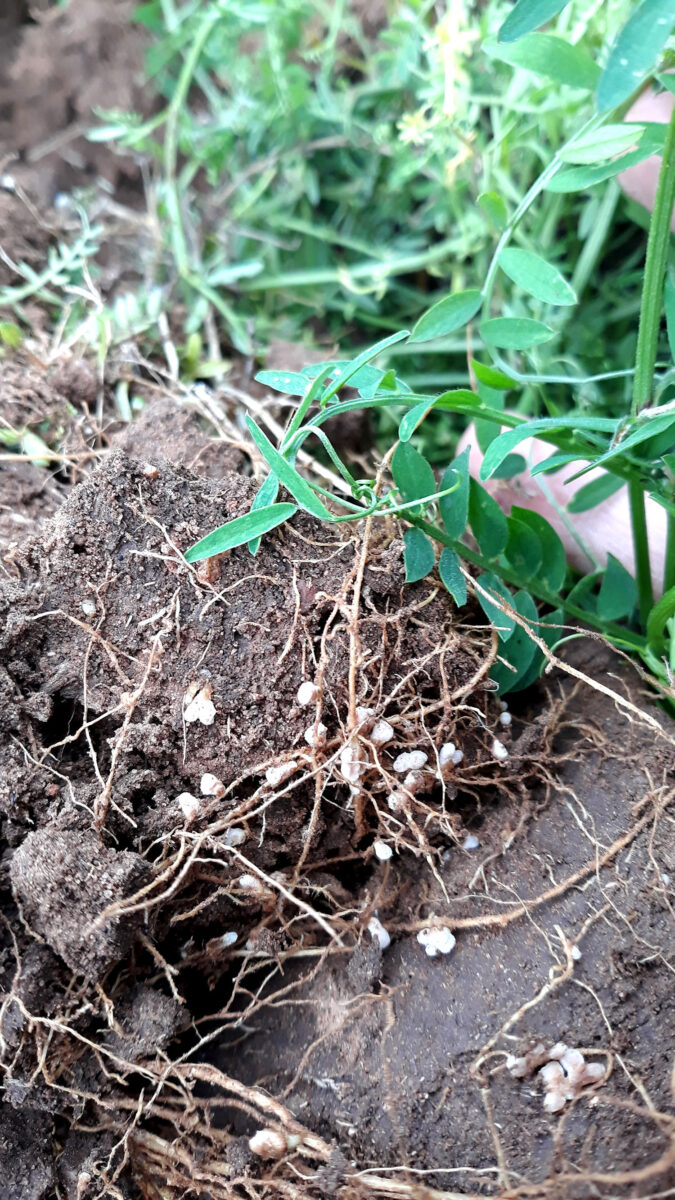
column 520, row 576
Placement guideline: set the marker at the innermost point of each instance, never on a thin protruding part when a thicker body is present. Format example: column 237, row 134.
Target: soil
column 189, row 946
column 57, row 65
column 120, row 970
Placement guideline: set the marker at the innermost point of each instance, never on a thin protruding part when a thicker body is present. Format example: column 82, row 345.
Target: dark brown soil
column 55, row 68
column 116, row 905
column 401, row 1062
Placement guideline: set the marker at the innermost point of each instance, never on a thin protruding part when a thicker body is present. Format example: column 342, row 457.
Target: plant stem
column 643, row 576
column 651, row 307
column 669, row 572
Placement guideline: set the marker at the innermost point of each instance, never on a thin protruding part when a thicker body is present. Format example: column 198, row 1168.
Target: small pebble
column 410, row 761
column 382, row 851
column 88, row 608
column 378, row 931
column 307, row 693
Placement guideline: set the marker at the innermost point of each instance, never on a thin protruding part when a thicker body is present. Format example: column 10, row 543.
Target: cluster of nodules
column 563, row 1071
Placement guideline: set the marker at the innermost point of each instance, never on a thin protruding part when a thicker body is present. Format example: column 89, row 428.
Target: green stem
column 651, row 307
column 669, row 572
column 619, row 635
column 180, row 247
column 643, row 575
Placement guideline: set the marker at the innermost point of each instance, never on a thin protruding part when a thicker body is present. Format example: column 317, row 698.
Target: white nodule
column 381, row 733
column 382, row 850
column 499, row 750
column 505, row 717
column 250, row 883
column 228, row 939
column 446, row 752
column 307, row 693
column 211, row 785
column 470, row 842
column 440, row 940
column 378, row 931
column 276, row 775
column 234, row 837
column 189, row 805
column 201, row 709
column 316, row 734
column 411, row 760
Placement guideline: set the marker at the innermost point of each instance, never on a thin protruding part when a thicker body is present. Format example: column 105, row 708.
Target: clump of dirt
column 58, row 68
column 168, row 795
column 28, row 495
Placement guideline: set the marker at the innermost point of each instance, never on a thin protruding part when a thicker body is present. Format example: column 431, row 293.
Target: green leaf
column 635, row 51
column 536, row 276
column 519, row 650
column 416, row 415
column 413, row 476
column 491, row 377
column 454, row 508
column 669, row 302
column 514, row 333
column 287, row 474
column 513, row 464
column 527, row 15
column 487, row 521
column 351, row 371
column 578, row 179
column 645, row 430
column 553, row 463
column 290, row 382
column 494, row 208
column 447, row 315
column 523, row 550
column 266, row 494
column 553, row 567
column 507, row 441
column 660, row 614
column 594, row 493
column 240, row 530
column 618, row 592
column 418, row 556
column 549, row 633
column 451, row 576
column 550, row 56
column 10, row 334
column 503, row 623
column 602, row 143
